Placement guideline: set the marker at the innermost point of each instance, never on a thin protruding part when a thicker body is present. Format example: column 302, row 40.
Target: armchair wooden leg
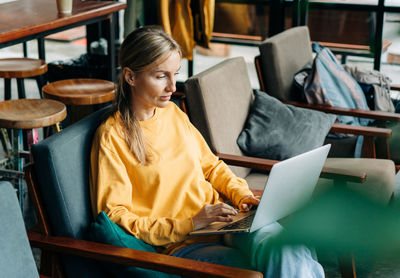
column 368, row 149
column 382, row 148
column 347, row 265
column 50, row 265
column 45, row 264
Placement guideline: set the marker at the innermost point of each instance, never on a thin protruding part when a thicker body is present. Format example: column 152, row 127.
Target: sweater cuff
column 240, row 194
column 183, row 228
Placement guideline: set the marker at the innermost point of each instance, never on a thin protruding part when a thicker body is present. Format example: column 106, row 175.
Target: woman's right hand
column 211, row 213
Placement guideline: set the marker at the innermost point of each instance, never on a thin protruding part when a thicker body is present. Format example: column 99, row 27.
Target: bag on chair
column 376, row 87
column 328, row 83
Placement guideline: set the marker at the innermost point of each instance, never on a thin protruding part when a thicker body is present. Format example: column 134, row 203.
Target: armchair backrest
column 218, row 101
column 16, row 253
column 281, row 56
column 62, row 169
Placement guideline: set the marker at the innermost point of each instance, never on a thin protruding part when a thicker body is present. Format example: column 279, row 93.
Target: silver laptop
column 289, row 187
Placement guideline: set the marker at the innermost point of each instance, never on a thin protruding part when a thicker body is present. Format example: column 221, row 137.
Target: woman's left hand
column 247, row 202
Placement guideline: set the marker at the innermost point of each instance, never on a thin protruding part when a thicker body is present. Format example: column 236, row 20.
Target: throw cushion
column 103, row 230
column 278, row 131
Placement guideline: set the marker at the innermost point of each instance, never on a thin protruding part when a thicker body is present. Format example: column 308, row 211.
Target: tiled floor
column 64, row 51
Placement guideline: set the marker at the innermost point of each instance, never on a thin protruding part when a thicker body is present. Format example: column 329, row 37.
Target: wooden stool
column 80, row 94
column 24, row 114
column 21, row 68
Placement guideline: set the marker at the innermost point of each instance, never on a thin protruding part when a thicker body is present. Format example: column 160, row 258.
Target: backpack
column 376, row 87
column 328, row 83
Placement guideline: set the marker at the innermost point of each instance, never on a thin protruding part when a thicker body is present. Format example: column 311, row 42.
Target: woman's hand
column 246, row 203
column 211, row 213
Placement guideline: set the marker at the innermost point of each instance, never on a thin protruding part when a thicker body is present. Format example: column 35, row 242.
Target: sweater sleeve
column 218, row 173
column 111, row 191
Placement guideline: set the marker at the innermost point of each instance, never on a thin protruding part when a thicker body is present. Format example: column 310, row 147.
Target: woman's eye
column 160, row 76
column 177, row 73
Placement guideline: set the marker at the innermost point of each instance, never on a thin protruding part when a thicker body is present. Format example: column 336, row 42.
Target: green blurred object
column 344, row 221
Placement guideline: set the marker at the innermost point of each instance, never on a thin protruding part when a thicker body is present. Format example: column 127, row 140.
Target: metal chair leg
column 21, row 88
column 7, row 88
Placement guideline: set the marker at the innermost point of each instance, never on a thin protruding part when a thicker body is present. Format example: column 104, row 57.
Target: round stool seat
column 22, row 67
column 80, row 91
column 31, row 113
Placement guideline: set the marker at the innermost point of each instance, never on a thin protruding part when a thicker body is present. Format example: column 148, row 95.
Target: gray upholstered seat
column 218, row 101
column 16, row 253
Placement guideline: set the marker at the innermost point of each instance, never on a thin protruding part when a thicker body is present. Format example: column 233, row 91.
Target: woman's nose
column 171, row 86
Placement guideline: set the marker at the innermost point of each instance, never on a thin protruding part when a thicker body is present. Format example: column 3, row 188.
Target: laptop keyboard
column 241, row 224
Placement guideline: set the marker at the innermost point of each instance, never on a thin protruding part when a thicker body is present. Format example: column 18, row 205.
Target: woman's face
column 153, row 87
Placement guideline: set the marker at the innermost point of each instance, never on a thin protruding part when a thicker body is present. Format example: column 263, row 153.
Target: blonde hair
column 139, row 51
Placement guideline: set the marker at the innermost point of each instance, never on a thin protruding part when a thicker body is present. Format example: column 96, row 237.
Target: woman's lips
column 165, row 98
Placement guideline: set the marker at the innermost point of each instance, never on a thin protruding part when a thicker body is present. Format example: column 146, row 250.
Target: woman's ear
column 129, row 76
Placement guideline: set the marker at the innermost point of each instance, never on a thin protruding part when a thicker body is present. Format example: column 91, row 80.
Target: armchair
column 283, row 55
column 218, row 102
column 16, row 254
column 58, row 184
column 19, row 261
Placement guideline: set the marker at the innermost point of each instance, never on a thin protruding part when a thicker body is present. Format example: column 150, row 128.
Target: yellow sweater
column 156, row 202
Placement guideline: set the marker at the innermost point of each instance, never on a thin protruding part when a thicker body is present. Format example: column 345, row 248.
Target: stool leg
column 50, row 130
column 21, row 88
column 25, row 49
column 18, row 162
column 25, row 140
column 7, row 148
column 40, row 81
column 7, row 88
column 58, row 127
column 33, row 138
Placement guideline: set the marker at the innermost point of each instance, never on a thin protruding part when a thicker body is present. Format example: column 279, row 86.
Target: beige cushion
column 256, row 180
column 218, row 101
column 281, row 57
column 380, row 177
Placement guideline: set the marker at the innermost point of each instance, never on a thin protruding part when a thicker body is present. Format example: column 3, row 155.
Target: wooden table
column 24, row 20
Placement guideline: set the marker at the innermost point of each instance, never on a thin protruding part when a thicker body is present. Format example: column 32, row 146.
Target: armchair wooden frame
column 369, row 133
column 51, row 246
column 41, row 236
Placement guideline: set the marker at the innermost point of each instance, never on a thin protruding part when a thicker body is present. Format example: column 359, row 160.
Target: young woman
column 154, row 175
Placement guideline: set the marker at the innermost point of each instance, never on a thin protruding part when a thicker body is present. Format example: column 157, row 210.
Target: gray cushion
column 282, row 56
column 277, row 131
column 16, row 253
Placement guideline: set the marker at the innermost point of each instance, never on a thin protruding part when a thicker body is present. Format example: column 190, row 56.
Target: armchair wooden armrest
column 266, row 164
column 180, row 99
column 362, row 130
column 376, row 115
column 370, row 114
column 370, row 134
column 126, row 256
